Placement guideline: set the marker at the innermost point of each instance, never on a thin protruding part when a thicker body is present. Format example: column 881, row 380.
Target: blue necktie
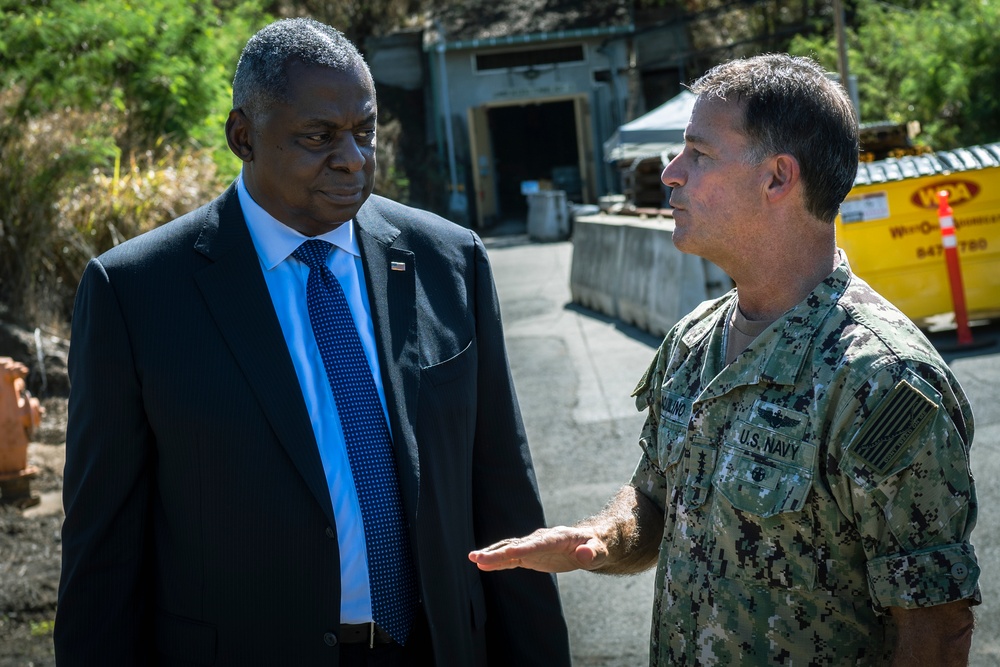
column 391, row 573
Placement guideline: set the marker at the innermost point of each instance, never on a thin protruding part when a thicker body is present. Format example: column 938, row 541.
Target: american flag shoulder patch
column 881, row 440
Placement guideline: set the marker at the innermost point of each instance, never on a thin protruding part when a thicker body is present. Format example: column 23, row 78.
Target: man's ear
column 783, row 176
column 238, row 132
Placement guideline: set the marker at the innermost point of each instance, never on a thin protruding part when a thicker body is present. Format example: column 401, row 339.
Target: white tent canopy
column 658, row 131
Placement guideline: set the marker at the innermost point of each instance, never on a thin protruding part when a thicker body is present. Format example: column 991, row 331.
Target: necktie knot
column 313, row 253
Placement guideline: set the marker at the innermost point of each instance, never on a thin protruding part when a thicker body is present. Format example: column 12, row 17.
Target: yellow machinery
column 889, row 227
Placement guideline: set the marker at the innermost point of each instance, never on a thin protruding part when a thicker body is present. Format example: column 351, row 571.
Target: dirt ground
column 29, row 538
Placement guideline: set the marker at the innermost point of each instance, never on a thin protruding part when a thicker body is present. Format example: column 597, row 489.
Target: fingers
column 499, row 556
column 502, row 544
column 509, row 548
column 557, row 549
column 492, row 566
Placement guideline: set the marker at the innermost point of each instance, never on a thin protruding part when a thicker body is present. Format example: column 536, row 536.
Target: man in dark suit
column 214, row 511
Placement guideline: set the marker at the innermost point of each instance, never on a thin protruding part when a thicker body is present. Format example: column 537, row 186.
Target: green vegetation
column 163, row 65
column 934, row 62
column 110, row 124
column 42, row 628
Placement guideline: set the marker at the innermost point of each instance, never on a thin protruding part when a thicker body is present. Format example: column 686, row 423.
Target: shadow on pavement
column 627, row 329
column 985, row 341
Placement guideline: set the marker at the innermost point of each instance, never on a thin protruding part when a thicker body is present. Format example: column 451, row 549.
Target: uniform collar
column 781, row 350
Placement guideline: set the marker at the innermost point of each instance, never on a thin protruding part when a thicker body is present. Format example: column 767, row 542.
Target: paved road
column 574, row 370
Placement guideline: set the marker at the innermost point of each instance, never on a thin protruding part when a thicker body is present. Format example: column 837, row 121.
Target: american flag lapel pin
column 398, row 266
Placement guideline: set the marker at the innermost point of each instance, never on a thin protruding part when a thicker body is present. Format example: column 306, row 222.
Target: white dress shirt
column 286, row 281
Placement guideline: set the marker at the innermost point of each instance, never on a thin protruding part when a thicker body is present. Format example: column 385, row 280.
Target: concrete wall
column 628, row 268
column 468, row 87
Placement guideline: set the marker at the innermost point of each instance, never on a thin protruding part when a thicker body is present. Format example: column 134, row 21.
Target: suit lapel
column 234, row 289
column 390, row 274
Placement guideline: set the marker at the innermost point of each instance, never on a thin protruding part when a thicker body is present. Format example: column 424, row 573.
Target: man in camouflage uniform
column 804, row 487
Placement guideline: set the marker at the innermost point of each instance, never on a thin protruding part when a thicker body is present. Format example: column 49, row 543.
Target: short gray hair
column 790, row 105
column 261, row 78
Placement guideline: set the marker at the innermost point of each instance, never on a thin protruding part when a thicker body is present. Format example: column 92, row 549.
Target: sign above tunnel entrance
column 533, row 91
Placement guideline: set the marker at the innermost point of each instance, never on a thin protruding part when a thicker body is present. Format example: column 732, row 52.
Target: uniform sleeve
column 904, row 474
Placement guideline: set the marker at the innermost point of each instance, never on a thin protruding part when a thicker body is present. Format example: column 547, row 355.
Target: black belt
column 364, row 633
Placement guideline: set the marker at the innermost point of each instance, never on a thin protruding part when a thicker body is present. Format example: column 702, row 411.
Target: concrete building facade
column 529, row 109
column 518, row 95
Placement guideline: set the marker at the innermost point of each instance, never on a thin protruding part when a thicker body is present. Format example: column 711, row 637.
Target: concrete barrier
column 628, row 268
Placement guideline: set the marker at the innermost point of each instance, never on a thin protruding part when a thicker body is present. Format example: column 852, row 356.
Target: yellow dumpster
column 889, row 227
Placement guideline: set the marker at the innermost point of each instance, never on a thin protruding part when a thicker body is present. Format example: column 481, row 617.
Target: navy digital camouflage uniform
column 819, row 479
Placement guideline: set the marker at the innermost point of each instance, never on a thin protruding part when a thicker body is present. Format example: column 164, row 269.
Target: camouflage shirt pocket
column 669, row 446
column 764, row 473
column 672, row 431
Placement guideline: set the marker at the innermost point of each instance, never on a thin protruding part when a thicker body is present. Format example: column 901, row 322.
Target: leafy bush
column 938, row 63
column 165, row 65
column 39, row 159
column 146, row 191
column 59, row 206
column 90, row 85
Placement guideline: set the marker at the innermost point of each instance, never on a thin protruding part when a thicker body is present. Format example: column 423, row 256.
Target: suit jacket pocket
column 185, row 639
column 453, row 368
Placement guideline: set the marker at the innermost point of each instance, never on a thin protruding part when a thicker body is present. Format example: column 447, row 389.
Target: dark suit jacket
column 199, row 529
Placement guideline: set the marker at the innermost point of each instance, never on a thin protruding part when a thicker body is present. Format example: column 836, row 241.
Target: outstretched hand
column 558, row 549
